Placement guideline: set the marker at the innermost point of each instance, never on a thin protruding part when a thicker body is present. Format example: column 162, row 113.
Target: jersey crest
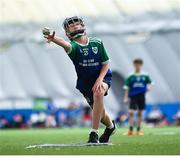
column 95, row 50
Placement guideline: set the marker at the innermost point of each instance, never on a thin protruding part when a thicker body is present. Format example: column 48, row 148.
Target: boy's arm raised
column 57, row 40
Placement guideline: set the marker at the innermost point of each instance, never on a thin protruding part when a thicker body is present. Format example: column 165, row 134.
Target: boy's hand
column 125, row 100
column 47, row 35
column 98, row 86
column 50, row 37
column 149, row 88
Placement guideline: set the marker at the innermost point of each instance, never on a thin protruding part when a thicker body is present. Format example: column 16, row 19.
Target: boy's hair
column 138, row 61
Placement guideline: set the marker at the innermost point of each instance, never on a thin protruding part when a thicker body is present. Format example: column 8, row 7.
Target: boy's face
column 137, row 67
column 74, row 27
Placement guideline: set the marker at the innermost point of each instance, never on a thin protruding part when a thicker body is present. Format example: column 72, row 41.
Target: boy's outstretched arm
column 58, row 40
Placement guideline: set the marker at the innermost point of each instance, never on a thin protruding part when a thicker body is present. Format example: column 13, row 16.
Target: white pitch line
column 68, row 145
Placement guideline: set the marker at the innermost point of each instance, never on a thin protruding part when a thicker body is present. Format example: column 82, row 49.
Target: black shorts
column 137, row 102
column 89, row 95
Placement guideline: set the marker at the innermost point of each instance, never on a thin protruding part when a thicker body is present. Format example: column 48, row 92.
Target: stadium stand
column 30, row 68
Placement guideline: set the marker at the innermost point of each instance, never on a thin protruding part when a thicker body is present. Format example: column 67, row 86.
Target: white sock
column 94, row 130
column 111, row 126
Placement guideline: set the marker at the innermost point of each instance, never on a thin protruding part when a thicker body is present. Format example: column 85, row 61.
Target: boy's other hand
column 98, row 86
column 125, row 100
column 149, row 88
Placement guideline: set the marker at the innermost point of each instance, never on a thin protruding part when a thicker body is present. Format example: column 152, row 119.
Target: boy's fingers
column 103, row 87
column 93, row 89
column 49, row 37
column 96, row 88
column 53, row 34
column 100, row 88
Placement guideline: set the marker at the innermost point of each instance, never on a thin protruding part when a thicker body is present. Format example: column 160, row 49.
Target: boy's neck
column 137, row 71
column 82, row 40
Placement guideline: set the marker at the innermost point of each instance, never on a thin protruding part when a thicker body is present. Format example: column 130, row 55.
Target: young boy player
column 136, row 87
column 94, row 76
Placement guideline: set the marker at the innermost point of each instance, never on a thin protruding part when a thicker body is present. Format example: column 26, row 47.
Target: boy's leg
column 139, row 120
column 132, row 109
column 141, row 107
column 131, row 120
column 106, row 120
column 110, row 128
column 98, row 107
column 97, row 113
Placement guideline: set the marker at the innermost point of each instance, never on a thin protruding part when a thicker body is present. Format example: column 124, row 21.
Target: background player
column 92, row 67
column 136, row 87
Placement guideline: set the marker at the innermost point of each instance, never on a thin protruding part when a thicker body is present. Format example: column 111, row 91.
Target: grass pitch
column 155, row 141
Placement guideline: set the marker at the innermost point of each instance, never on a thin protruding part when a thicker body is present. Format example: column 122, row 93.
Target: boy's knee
column 98, row 94
column 131, row 113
